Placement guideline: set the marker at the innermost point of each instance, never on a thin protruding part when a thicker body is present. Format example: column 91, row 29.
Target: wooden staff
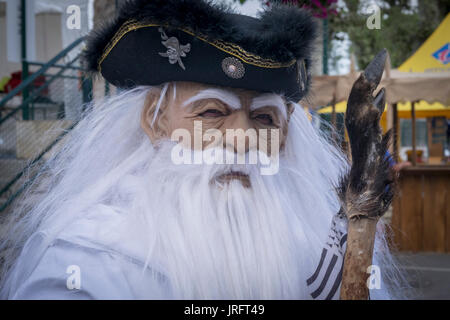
column 366, row 192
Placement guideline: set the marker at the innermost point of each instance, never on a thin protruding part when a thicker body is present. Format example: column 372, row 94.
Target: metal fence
column 36, row 114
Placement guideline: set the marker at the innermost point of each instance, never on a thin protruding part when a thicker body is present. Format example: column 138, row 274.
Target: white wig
column 108, row 146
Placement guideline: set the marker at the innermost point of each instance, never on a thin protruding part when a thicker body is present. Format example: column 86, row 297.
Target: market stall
column 421, row 214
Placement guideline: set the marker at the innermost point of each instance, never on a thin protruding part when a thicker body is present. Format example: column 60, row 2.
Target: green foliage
column 403, row 29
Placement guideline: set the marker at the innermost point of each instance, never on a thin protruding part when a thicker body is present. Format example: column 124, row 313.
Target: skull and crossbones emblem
column 175, row 50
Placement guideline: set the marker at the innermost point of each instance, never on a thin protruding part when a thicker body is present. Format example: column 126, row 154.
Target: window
column 406, row 133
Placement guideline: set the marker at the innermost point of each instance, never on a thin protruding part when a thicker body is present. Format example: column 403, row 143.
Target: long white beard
column 208, row 241
column 226, row 241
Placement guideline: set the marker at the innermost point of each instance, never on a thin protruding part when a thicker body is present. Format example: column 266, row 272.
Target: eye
column 212, row 113
column 264, row 118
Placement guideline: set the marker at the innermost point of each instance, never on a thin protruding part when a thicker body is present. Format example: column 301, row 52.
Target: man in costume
column 116, row 215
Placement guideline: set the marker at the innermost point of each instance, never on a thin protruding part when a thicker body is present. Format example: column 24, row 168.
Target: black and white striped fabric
column 325, row 283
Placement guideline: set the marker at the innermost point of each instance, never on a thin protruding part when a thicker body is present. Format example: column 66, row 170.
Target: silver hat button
column 233, row 67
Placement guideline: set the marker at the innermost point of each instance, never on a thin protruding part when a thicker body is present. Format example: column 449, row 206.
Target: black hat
column 151, row 42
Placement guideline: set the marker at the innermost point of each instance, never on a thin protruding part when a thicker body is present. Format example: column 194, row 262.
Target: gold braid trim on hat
column 228, row 47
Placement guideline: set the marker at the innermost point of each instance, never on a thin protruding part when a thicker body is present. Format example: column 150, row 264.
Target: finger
column 374, row 70
column 380, row 100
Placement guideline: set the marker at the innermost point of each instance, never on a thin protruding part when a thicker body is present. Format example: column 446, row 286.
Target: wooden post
column 395, row 129
column 413, row 127
column 333, row 114
column 25, row 66
column 333, row 119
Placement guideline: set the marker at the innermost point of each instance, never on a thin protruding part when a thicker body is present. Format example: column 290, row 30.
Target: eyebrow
column 269, row 100
column 228, row 98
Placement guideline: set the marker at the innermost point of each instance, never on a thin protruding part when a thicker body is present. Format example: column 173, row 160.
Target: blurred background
column 43, row 90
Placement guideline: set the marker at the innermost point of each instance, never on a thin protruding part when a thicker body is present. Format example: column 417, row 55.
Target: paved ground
column 428, row 274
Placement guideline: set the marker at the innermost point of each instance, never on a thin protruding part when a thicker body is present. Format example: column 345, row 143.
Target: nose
column 240, row 135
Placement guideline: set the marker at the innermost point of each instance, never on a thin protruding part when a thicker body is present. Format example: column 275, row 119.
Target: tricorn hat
column 151, row 42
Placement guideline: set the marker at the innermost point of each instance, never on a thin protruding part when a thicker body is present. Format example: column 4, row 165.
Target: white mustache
column 218, row 155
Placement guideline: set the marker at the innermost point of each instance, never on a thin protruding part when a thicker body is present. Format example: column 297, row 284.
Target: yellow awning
column 432, row 57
